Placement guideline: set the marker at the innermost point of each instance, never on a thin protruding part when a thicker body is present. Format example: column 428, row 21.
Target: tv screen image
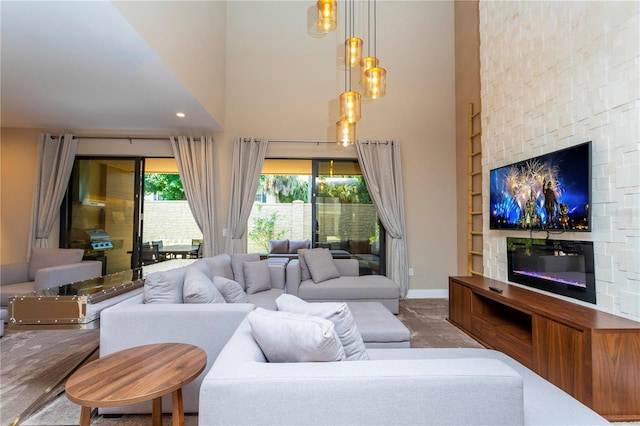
column 551, row 191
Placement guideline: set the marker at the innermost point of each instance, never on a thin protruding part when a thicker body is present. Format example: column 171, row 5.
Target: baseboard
column 428, row 294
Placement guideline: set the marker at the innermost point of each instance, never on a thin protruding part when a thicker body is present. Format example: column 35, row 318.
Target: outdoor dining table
column 182, row 250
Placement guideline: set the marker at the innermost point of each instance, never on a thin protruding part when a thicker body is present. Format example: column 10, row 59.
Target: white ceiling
column 70, row 65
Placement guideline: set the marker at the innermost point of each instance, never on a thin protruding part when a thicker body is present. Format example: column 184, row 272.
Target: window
column 325, row 201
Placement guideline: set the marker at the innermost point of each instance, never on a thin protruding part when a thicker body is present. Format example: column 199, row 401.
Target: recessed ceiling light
column 181, row 114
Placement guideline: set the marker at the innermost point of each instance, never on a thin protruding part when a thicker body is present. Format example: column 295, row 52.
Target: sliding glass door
column 325, row 201
column 101, row 211
column 345, row 217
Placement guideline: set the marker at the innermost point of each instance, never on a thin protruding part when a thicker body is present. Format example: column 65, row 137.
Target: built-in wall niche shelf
column 592, row 355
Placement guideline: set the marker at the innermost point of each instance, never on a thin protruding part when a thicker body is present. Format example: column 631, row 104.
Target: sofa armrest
column 14, row 273
column 347, row 267
column 293, row 276
column 55, row 276
column 133, row 323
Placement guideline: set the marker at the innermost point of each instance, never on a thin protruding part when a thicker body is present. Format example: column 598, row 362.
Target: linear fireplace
column 557, row 266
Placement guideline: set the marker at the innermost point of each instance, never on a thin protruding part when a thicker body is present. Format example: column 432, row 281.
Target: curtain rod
column 301, row 141
column 128, row 138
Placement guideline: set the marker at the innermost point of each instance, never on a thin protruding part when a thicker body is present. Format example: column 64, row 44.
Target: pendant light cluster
column 372, row 76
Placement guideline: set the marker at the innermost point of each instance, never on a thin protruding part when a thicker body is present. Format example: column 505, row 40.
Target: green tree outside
column 165, row 186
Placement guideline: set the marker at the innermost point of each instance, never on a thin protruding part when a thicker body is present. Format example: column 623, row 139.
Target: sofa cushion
column 321, row 265
column 278, row 246
column 257, row 276
column 338, row 313
column 237, row 264
column 350, row 288
column 295, row 245
column 164, row 286
column 48, row 257
column 291, row 337
column 220, row 265
column 230, row 290
column 198, row 288
column 304, row 269
column 266, row 299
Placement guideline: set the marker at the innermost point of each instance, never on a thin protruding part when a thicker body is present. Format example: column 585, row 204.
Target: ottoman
column 379, row 327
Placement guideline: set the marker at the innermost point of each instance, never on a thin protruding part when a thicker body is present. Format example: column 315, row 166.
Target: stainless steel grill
column 92, row 241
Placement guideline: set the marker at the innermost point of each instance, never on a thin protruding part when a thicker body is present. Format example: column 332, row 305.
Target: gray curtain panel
column 194, row 157
column 55, row 162
column 382, row 171
column 248, row 157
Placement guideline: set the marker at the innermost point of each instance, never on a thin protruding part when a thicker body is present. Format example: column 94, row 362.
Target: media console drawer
column 592, row 355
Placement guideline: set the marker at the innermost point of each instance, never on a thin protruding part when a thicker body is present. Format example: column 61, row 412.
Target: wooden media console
column 592, row 355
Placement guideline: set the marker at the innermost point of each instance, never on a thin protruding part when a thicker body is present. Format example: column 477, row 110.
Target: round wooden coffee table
column 137, row 374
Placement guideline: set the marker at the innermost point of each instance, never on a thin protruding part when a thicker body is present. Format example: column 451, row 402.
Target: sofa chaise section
column 348, row 287
column 47, row 268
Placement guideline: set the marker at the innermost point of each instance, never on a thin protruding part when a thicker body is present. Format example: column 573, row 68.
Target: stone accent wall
column 553, row 75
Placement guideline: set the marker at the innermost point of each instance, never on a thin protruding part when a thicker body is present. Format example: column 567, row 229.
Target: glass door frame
column 138, row 210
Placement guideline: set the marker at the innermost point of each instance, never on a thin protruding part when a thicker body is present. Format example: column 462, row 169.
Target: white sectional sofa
column 395, row 386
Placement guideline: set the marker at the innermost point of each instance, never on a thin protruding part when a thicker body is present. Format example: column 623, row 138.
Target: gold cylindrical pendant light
column 350, row 106
column 327, row 15
column 352, row 51
column 375, row 82
column 345, row 133
column 365, row 64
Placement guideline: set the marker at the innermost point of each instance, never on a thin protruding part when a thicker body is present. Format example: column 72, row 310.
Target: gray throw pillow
column 165, row 286
column 257, row 276
column 230, row 290
column 336, row 312
column 278, row 246
column 198, row 288
column 295, row 245
column 291, row 337
column 321, row 265
column 237, row 264
column 304, row 269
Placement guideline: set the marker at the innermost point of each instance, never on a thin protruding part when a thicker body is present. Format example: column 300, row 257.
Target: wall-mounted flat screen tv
column 549, row 192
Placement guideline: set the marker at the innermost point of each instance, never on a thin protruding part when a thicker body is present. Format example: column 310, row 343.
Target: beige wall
column 190, row 37
column 274, row 98
column 18, row 158
column 281, row 83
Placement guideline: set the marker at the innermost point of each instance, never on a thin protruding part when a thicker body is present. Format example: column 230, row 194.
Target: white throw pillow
column 165, row 286
column 230, row 290
column 291, row 337
column 257, row 276
column 198, row 288
column 237, row 264
column 336, row 312
column 321, row 265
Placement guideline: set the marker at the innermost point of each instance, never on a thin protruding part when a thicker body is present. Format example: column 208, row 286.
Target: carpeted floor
column 425, row 318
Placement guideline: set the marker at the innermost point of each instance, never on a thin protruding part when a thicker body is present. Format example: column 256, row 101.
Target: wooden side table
column 135, row 375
